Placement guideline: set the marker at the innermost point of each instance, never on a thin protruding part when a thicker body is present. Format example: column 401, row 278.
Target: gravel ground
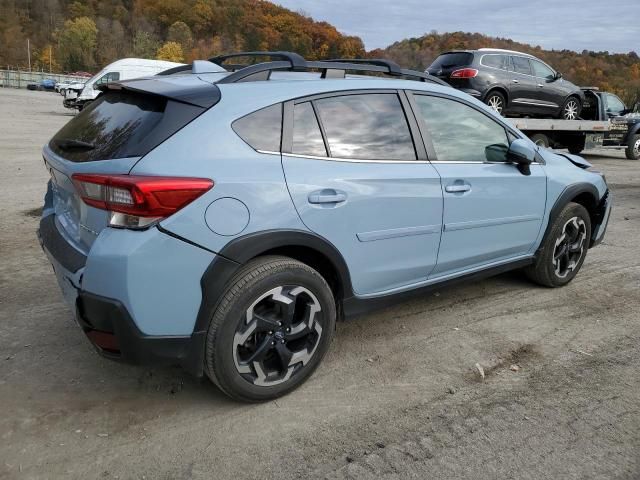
column 397, row 397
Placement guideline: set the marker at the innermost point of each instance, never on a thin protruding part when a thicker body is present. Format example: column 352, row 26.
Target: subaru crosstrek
column 512, row 83
column 224, row 220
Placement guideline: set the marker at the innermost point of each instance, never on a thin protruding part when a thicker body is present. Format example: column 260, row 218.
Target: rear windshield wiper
column 71, row 144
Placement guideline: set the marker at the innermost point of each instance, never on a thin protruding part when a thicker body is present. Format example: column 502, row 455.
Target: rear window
column 496, row 61
column 121, row 124
column 454, row 59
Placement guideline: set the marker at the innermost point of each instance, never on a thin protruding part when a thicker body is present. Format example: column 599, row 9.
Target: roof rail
column 296, row 61
column 198, row 66
column 289, row 61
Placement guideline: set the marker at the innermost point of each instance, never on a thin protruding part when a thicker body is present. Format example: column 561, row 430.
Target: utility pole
column 49, row 58
column 29, row 53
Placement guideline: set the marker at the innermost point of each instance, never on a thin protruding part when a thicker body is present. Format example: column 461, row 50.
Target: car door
column 523, row 89
column 548, row 91
column 357, row 179
column 492, row 212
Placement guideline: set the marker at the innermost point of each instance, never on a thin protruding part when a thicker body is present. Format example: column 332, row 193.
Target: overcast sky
column 612, row 25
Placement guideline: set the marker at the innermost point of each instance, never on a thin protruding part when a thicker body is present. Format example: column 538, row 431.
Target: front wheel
column 571, row 109
column 271, row 329
column 564, row 249
column 633, row 148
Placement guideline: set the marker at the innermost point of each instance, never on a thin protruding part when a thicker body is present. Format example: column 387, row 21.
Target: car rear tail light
column 137, row 201
column 464, row 73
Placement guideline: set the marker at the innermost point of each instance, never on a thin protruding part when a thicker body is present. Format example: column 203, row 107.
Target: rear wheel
column 564, row 249
column 271, row 329
column 497, row 101
column 576, row 146
column 571, row 109
column 633, row 148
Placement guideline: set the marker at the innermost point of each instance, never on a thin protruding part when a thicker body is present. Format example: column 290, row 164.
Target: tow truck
column 606, row 123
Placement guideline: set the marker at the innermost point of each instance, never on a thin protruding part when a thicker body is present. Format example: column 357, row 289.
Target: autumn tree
column 77, row 44
column 171, row 51
column 180, row 33
column 145, row 45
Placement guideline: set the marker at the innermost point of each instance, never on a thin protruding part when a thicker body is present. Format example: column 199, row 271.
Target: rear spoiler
column 191, row 90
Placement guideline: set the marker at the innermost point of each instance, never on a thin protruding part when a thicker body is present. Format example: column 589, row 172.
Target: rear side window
column 120, row 124
column 307, row 137
column 453, row 59
column 521, row 65
column 496, row 61
column 262, row 129
column 366, row 126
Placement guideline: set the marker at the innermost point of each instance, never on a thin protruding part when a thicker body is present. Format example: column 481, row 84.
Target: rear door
column 357, row 180
column 492, row 212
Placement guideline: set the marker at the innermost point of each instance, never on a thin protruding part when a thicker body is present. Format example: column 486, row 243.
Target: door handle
column 540, row 85
column 457, row 188
column 515, row 81
column 327, row 196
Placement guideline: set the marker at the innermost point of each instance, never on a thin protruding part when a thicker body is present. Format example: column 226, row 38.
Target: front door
column 355, row 180
column 492, row 212
column 523, row 89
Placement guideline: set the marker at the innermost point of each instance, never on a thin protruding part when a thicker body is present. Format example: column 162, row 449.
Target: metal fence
column 21, row 78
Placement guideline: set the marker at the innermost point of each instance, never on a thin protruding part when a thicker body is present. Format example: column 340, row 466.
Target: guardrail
column 21, row 78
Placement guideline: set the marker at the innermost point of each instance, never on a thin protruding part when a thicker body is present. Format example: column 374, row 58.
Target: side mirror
column 558, row 75
column 522, row 153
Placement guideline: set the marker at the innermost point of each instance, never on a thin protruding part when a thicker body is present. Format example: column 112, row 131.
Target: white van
column 123, row 69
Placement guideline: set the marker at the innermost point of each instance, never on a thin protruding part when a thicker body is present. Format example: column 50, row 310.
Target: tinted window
column 367, row 126
column 261, row 129
column 542, row 71
column 521, row 65
column 307, row 138
column 460, row 133
column 614, row 104
column 496, row 61
column 454, row 59
column 116, row 125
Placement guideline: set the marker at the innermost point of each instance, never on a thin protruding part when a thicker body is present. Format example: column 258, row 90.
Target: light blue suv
column 223, row 219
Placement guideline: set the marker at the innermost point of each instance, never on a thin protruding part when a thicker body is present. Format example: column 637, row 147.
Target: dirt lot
column 397, row 396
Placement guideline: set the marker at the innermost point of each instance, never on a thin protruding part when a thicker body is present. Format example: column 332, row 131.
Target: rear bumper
column 602, row 216
column 114, row 334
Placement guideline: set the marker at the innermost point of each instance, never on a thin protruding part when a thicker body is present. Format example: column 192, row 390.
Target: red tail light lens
column 464, row 73
column 140, row 200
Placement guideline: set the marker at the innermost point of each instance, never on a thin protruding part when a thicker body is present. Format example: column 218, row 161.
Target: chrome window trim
column 351, row 160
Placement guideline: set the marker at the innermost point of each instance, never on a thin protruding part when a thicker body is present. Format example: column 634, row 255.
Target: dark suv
column 510, row 82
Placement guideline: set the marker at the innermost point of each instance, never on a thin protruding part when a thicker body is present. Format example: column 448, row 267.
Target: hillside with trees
column 72, row 35
column 618, row 73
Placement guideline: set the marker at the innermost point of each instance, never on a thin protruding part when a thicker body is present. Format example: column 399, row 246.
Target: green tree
column 171, row 51
column 77, row 44
column 179, row 32
column 144, row 45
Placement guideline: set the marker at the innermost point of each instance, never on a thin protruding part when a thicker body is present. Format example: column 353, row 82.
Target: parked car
column 46, row 84
column 224, row 221
column 123, row 69
column 512, row 83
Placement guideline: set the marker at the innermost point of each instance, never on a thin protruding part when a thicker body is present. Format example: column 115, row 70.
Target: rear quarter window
column 262, row 129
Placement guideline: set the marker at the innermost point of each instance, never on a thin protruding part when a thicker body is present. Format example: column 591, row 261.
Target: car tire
column 540, row 139
column 270, row 329
column 633, row 148
column 571, row 109
column 496, row 101
column 576, row 146
column 564, row 249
